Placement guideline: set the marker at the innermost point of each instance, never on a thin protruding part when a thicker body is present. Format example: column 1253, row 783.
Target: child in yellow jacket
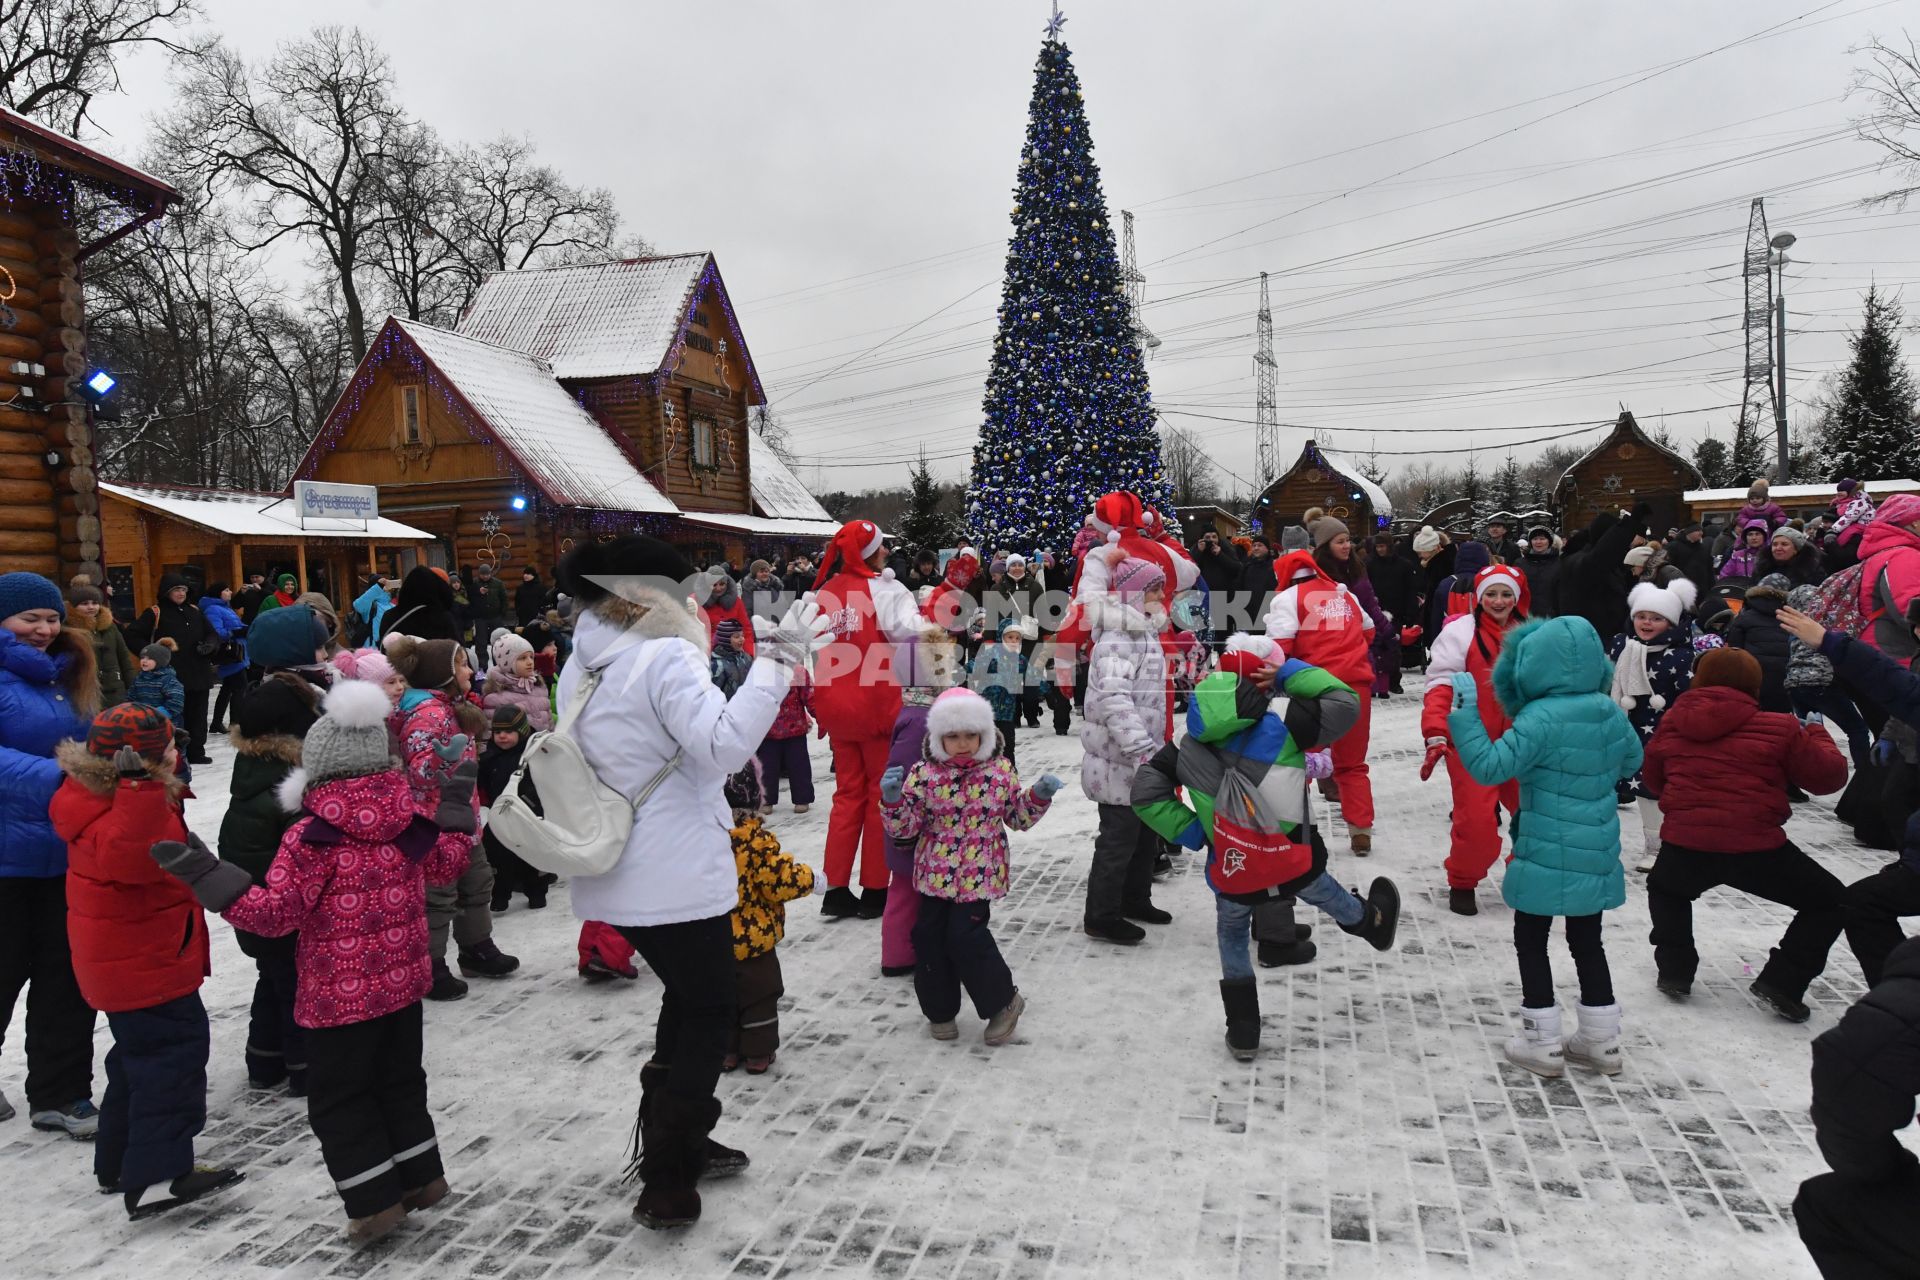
column 769, row 879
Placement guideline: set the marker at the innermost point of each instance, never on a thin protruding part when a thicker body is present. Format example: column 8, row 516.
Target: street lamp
column 1780, row 244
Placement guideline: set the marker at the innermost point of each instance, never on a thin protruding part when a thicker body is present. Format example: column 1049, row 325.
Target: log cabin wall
column 1313, row 486
column 1620, row 475
column 665, row 451
column 29, row 509
column 442, row 479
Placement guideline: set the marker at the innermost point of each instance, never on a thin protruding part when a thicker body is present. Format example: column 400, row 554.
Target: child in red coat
column 1720, row 768
column 351, row 878
column 139, row 954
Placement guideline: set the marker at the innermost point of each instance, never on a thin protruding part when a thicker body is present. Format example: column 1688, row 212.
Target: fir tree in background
column 1715, row 464
column 1869, row 429
column 1508, row 490
column 1752, row 457
column 1067, row 414
column 1473, row 489
column 925, row 525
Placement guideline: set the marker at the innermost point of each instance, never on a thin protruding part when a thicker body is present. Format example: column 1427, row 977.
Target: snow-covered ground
column 1380, row 1133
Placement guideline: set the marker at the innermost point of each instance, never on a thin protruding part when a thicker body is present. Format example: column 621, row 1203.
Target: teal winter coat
column 1568, row 744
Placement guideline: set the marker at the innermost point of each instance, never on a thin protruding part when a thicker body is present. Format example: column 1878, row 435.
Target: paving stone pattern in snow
column 1380, row 1133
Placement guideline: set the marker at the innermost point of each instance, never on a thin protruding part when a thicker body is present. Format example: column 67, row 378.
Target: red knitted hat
column 131, row 724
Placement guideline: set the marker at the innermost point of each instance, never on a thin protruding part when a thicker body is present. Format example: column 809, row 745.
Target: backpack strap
column 589, row 682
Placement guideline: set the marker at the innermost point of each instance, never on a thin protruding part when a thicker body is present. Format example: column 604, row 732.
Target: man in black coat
column 1257, row 585
column 1858, row 1221
column 530, row 599
column 1500, row 542
column 1689, row 554
column 1594, row 581
column 425, row 609
column 178, row 619
column 1219, row 566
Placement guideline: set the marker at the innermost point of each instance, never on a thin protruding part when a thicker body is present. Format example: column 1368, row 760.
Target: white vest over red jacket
column 1318, row 620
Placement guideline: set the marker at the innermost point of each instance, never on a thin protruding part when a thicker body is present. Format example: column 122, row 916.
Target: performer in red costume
column 1119, row 519
column 856, row 698
column 1320, row 621
column 1471, row 643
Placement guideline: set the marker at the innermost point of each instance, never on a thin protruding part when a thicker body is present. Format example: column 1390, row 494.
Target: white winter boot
column 1597, row 1043
column 1650, row 820
column 1537, row 1047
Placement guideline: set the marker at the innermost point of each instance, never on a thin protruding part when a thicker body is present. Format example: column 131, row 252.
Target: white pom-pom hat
column 1670, row 602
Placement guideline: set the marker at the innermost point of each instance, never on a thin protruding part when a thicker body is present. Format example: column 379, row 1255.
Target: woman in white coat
column 657, row 713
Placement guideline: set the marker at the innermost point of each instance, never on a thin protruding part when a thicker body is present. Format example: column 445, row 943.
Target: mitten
column 892, row 783
column 216, row 885
column 794, row 637
column 129, row 763
column 456, row 812
column 1465, row 692
column 1047, row 786
column 1437, row 749
column 1319, row 765
column 453, row 748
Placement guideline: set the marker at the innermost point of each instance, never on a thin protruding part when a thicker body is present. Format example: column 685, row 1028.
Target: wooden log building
column 209, row 535
column 571, row 402
column 60, row 202
column 1625, row 468
column 1322, row 478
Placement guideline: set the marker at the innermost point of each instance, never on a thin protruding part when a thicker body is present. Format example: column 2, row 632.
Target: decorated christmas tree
column 1068, row 416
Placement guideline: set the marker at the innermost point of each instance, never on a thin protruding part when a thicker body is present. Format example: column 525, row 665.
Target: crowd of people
column 1687, row 674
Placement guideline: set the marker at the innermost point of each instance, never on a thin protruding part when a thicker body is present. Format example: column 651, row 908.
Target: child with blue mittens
column 1568, row 744
column 957, row 803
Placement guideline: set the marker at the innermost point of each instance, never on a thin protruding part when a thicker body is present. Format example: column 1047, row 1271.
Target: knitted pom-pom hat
column 349, row 740
column 423, row 664
column 1670, row 602
column 20, row 592
column 1135, row 577
column 959, row 711
column 506, row 647
column 131, row 724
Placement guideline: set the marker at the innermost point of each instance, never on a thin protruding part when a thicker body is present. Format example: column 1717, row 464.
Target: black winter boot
column 486, row 960
column 1274, row 955
column 839, row 904
column 669, row 1165
column 1383, row 915
column 873, row 903
column 445, row 985
column 1241, row 996
column 719, row 1161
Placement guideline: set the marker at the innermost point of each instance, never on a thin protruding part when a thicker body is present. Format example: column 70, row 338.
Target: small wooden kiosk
column 59, row 203
column 207, row 535
column 1195, row 521
column 1624, row 469
column 1323, row 478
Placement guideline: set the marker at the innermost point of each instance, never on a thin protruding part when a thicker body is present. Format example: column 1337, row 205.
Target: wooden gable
column 1624, row 469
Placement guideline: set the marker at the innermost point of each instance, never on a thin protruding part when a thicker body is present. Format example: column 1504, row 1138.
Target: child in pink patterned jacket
column 784, row 751
column 349, row 879
column 437, row 729
column 955, row 803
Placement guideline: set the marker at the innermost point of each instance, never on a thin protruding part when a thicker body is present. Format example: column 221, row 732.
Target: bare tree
column 1189, row 469
column 418, row 265
column 1889, row 83
column 56, row 56
column 513, row 213
column 304, row 139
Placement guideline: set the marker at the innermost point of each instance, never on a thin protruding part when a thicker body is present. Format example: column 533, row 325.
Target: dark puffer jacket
column 183, row 624
column 1720, row 768
column 1887, row 684
column 1866, row 1071
column 424, row 608
column 267, row 731
column 1542, row 571
column 1757, row 629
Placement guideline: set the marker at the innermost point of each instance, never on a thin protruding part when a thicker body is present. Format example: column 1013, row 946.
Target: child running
column 1245, row 767
column 1568, row 744
column 955, row 802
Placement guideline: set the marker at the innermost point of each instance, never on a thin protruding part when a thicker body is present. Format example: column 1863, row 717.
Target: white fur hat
column 959, row 711
column 1670, row 602
column 505, row 647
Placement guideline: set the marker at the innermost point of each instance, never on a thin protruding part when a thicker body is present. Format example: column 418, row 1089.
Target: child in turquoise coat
column 1568, row 744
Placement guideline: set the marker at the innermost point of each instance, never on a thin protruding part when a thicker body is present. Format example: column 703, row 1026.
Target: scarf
column 1630, row 682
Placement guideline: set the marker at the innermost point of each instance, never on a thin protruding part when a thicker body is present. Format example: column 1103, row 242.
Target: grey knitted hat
column 349, row 740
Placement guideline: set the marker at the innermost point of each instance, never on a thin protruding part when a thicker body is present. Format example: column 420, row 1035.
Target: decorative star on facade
column 1610, row 483
column 1056, row 22
column 490, row 524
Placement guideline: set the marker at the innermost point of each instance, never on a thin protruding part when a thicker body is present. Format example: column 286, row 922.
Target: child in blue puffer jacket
column 1568, row 744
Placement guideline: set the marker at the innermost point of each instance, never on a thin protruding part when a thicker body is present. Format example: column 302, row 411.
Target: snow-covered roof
column 245, row 514
column 777, row 492
column 604, row 320
column 1376, row 496
column 1802, row 492
column 1623, row 425
column 558, row 444
column 761, row 526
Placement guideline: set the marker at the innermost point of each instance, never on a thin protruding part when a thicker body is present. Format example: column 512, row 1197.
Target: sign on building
column 320, row 500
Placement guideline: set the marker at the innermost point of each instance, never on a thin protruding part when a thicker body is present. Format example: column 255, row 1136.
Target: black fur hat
column 585, row 571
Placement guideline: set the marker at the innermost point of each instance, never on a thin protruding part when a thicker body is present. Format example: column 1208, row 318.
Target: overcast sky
column 850, row 164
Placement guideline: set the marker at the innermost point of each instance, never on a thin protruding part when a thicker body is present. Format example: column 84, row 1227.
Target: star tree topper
column 1056, row 22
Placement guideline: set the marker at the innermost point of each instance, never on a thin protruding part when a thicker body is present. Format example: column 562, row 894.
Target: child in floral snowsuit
column 955, row 802
column 769, row 879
